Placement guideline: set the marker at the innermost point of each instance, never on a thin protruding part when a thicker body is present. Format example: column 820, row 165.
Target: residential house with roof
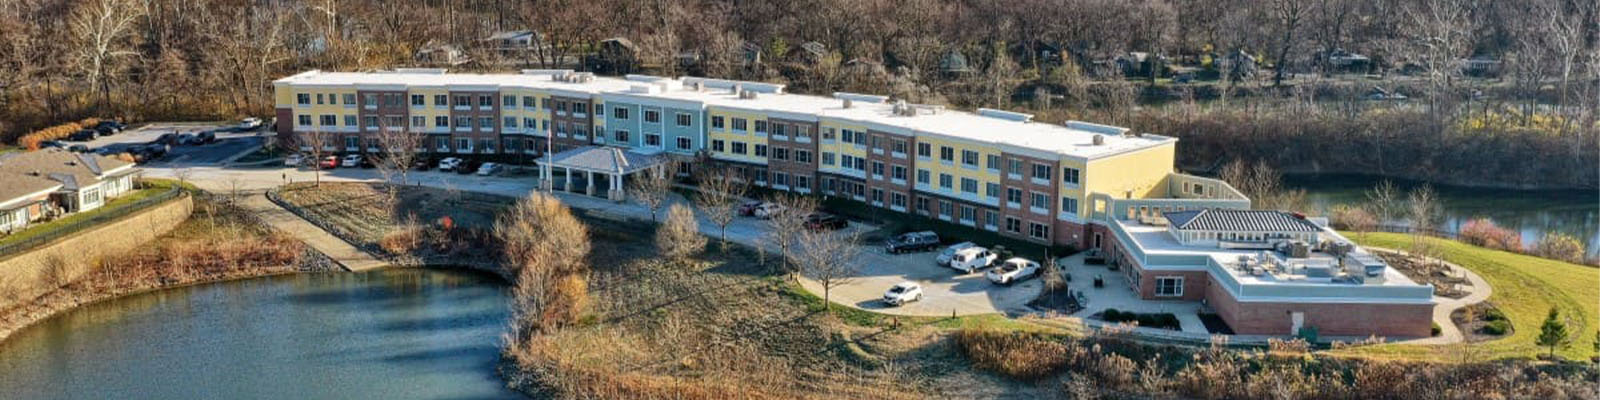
column 41, row 184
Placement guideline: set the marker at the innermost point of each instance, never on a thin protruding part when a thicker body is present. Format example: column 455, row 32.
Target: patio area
column 1115, row 293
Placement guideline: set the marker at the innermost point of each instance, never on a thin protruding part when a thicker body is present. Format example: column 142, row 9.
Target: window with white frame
column 652, row 116
column 684, row 119
column 717, row 145
column 1038, row 231
column 651, row 139
column 1069, row 205
column 619, row 113
column 716, row 122
column 1069, row 175
column 1169, row 286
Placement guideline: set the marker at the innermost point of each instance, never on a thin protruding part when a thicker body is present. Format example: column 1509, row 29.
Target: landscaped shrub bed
column 1148, row 320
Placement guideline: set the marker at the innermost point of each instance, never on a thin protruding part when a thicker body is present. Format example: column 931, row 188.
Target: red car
column 329, row 162
column 822, row 221
column 749, row 208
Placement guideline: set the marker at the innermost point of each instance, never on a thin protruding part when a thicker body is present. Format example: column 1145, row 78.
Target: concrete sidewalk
column 345, row 255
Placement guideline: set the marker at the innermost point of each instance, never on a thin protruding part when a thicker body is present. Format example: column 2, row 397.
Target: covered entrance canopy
column 595, row 170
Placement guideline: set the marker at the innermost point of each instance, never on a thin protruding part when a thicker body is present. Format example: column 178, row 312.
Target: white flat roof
column 1156, row 241
column 1003, row 131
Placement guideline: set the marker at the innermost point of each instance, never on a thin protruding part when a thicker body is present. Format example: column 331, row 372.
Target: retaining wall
column 25, row 275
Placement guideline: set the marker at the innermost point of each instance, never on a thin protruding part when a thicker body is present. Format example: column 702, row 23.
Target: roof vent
column 1099, row 140
column 738, row 89
column 848, row 103
column 748, row 94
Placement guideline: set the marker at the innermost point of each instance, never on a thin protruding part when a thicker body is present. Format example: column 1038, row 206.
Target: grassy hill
column 1525, row 287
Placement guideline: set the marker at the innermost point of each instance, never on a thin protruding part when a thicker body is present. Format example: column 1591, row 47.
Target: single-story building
column 47, row 183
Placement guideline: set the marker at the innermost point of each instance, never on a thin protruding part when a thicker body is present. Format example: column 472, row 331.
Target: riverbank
column 218, row 242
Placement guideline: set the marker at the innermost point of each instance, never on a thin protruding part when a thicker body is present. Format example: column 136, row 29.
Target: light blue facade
column 664, row 132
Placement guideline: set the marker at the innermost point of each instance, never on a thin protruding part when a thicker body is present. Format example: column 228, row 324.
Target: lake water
column 1531, row 212
column 391, row 334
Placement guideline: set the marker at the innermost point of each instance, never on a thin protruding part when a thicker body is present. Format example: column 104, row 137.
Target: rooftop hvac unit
column 847, row 103
column 1099, row 140
column 738, row 89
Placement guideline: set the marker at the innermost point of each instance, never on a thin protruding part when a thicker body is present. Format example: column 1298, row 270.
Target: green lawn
column 41, row 228
column 1525, row 288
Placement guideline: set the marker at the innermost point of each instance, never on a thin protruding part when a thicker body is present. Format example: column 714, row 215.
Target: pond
column 390, row 334
column 1531, row 212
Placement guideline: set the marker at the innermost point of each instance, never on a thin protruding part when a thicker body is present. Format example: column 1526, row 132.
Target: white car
column 1013, row 270
column 902, row 293
column 972, row 259
column 250, row 123
column 767, row 210
column 351, row 161
column 489, row 168
column 944, row 256
column 294, row 160
column 449, row 164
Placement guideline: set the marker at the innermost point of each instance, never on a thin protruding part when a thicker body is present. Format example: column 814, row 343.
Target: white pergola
column 612, row 163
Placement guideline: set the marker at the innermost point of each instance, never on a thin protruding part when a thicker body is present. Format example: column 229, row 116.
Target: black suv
column 824, row 221
column 914, row 241
column 83, row 135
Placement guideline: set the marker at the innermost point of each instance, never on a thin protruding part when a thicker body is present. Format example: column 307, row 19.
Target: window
column 969, row 157
column 619, row 113
column 652, row 116
column 1169, row 286
column 761, row 150
column 441, row 121
column 303, row 99
column 738, row 124
column 350, row 99
column 897, row 200
column 527, row 101
column 684, row 143
column 1069, row 175
column 443, row 143
column 738, row 148
column 827, row 158
column 304, row 120
column 319, row 98
column 508, row 101
column 352, row 142
column 328, row 120
column 485, row 101
column 993, row 162
column 898, row 172
column 779, row 129
column 418, row 100
column 761, row 126
column 370, row 121
column 945, row 209
column 922, row 205
column 947, row 153
column 717, row 145
column 1039, row 200
column 651, row 139
column 877, row 196
column 441, row 100
column 486, row 145
column 716, row 122
column 583, row 108
column 945, row 181
column 802, row 182
column 922, row 176
column 1038, row 231
column 969, row 185
column 463, row 101
column 991, row 189
column 548, row 104
column 1013, row 225
column 802, row 156
column 349, row 120
column 684, row 119
column 899, row 147
column 485, row 123
column 761, row 176
column 969, row 214
column 1041, row 171
column 1014, row 196
column 828, row 134
column 780, row 153
column 990, row 217
column 622, row 135
column 802, row 131
column 510, row 122
column 1015, row 168
column 1069, row 205
column 779, row 178
column 419, row 121
column 848, row 136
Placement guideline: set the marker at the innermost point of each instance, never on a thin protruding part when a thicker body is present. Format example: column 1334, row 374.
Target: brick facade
column 791, row 166
column 1022, row 211
column 1337, row 319
column 882, row 190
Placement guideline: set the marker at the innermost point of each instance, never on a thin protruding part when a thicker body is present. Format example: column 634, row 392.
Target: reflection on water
column 395, row 334
column 1574, row 212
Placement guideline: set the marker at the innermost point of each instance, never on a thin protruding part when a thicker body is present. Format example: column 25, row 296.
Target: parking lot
column 227, row 144
column 945, row 290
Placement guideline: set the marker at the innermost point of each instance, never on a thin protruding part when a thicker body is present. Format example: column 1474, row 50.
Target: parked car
column 110, row 127
column 294, row 160
column 913, row 241
column 153, row 151
column 350, row 161
column 83, row 135
column 944, row 256
column 370, row 162
column 490, row 168
column 249, row 124
column 821, row 221
column 768, row 210
column 902, row 293
column 329, row 162
column 468, row 166
column 449, row 164
column 185, row 139
column 972, row 259
column 166, row 139
column 421, row 164
column 78, row 148
column 749, row 207
column 52, row 143
column 206, row 137
column 1013, row 270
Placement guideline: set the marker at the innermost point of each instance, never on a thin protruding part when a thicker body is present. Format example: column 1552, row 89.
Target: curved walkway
column 1448, row 333
column 342, row 253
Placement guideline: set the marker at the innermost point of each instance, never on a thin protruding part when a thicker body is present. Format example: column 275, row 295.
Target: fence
column 101, row 216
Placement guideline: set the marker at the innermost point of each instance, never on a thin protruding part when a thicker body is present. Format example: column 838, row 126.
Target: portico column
column 588, row 183
column 616, row 188
column 568, row 173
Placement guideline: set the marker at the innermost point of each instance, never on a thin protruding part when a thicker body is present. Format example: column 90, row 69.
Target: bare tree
column 100, row 27
column 652, row 187
column 316, row 143
column 679, row 237
column 1287, row 14
column 544, row 247
column 394, row 163
column 1383, row 200
column 785, row 226
column 1440, row 32
column 1422, row 212
column 719, row 198
column 829, row 258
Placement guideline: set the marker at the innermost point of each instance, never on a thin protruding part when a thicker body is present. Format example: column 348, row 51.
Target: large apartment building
column 1075, row 184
